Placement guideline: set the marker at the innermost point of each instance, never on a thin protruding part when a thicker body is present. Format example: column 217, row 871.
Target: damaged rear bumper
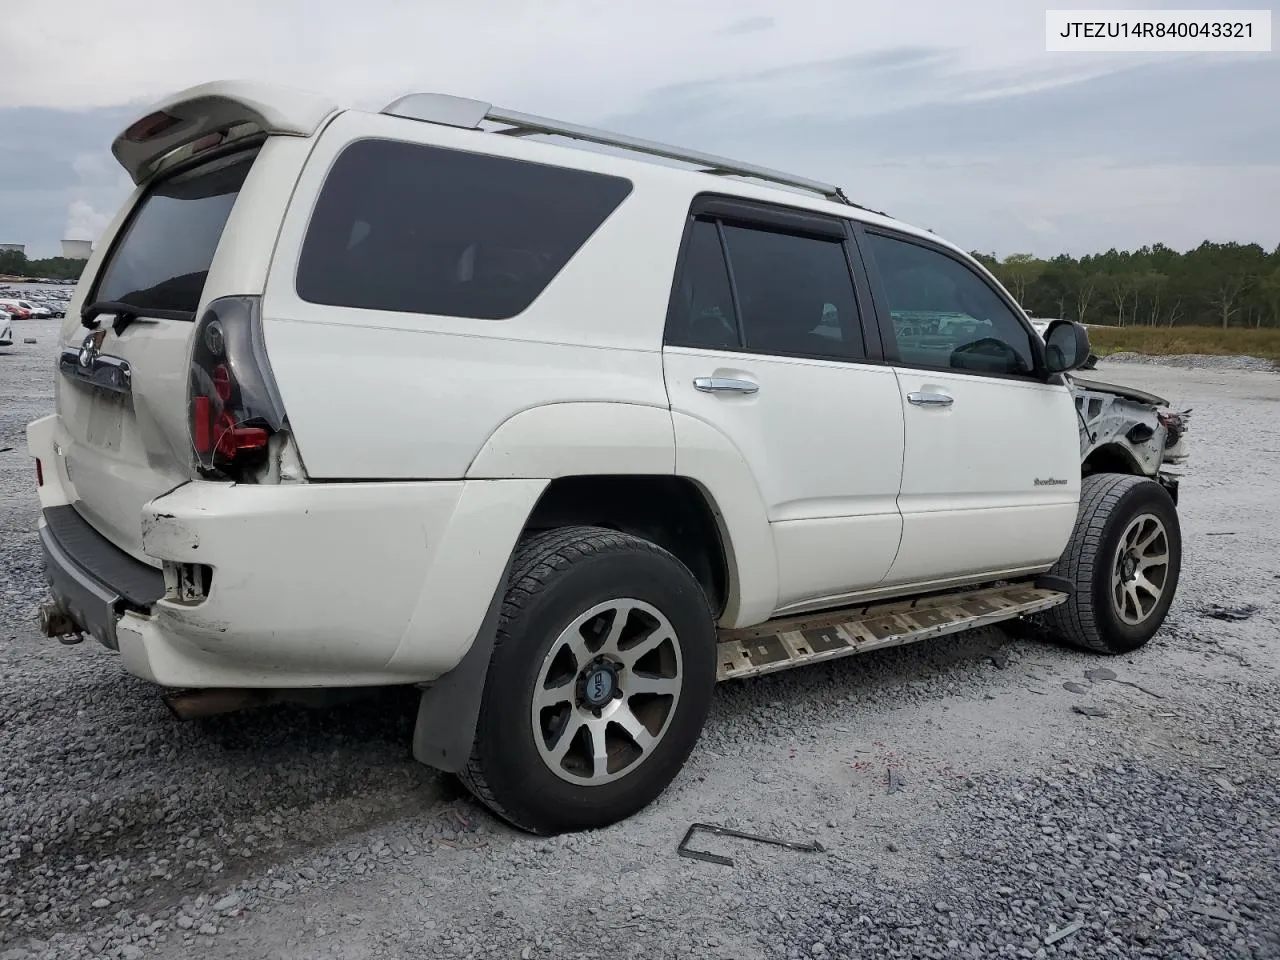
column 92, row 580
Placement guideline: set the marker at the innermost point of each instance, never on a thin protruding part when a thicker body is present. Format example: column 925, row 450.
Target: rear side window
column 160, row 262
column 702, row 313
column 419, row 229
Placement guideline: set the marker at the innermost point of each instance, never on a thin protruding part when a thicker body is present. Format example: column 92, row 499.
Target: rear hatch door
column 123, row 368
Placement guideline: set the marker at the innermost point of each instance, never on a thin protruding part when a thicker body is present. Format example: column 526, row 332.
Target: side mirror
column 1066, row 346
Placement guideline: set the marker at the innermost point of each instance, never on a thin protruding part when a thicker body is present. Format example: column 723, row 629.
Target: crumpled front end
column 1130, row 431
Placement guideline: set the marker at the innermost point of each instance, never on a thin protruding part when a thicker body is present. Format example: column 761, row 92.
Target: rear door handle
column 930, row 399
column 725, row 385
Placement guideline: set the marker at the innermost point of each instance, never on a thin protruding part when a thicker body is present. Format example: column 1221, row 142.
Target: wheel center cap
column 1128, row 568
column 598, row 685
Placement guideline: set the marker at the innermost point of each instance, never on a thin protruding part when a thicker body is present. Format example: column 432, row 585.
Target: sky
column 946, row 114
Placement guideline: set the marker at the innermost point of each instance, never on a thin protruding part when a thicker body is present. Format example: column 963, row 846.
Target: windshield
column 163, row 255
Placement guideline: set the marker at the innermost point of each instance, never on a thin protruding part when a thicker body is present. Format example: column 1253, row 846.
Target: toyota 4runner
column 561, row 436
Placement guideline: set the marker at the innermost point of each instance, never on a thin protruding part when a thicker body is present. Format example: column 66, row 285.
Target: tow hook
column 56, row 622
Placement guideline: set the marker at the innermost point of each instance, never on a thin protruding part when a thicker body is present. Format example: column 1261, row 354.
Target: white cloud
column 589, row 57
column 84, row 222
column 949, row 114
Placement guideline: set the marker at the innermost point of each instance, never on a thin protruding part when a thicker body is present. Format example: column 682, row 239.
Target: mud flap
column 450, row 706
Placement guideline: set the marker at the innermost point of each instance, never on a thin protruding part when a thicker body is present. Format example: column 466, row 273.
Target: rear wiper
column 125, row 313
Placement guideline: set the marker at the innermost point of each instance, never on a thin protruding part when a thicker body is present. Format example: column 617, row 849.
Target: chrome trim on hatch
column 86, row 364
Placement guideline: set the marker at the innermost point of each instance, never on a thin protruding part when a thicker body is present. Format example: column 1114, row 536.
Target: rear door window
column 795, row 294
column 161, row 259
column 418, row 229
column 702, row 312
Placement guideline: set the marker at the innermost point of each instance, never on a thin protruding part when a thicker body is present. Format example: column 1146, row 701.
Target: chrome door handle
column 725, row 385
column 930, row 399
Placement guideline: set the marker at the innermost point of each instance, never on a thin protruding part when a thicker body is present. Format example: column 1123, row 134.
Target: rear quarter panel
column 377, row 394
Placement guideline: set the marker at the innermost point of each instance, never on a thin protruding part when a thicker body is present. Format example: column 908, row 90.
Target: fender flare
column 578, row 438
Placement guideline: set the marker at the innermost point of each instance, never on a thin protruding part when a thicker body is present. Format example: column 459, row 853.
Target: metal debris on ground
column 1089, row 711
column 1104, row 673
column 5, row 449
column 1217, row 611
column 684, row 850
column 1068, row 930
column 1072, row 687
column 29, row 340
column 896, row 783
column 1138, row 686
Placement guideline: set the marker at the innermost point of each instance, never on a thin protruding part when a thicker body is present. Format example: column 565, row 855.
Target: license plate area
column 105, row 426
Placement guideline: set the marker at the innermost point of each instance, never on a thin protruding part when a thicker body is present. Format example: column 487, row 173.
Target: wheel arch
column 674, row 512
column 1112, row 458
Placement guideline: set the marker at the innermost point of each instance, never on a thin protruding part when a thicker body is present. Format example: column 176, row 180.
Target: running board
column 794, row 641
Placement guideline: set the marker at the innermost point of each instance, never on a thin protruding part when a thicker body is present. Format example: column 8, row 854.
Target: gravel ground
column 1196, row 361
column 1016, row 826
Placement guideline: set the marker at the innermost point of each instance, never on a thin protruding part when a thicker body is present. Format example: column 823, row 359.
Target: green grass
column 1168, row 341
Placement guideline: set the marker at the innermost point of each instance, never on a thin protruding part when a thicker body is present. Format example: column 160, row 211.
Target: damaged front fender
column 1123, row 430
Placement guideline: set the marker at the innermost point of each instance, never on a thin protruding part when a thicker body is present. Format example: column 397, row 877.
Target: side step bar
column 794, row 641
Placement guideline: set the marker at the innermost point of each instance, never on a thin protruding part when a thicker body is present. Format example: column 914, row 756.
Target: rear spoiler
column 213, row 114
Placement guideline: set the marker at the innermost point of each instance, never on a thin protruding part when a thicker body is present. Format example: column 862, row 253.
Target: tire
column 536, row 768
column 1121, row 518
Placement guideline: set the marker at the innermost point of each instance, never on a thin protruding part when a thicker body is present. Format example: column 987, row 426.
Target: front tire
column 602, row 674
column 1124, row 560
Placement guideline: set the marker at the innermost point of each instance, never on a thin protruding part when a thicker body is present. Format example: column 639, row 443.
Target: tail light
column 39, row 473
column 235, row 405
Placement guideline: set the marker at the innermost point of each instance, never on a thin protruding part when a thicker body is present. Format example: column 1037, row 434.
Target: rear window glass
column 161, row 260
column 418, row 229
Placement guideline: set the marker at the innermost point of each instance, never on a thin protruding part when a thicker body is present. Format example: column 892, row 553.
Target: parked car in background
column 38, row 311
column 6, row 328
column 16, row 310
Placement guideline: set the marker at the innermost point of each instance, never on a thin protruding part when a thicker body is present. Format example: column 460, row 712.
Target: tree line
column 1216, row 284
column 15, row 263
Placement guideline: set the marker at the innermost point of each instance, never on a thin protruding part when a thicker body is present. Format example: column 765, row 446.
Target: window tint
column 161, row 260
column 406, row 227
column 945, row 315
column 795, row 294
column 702, row 310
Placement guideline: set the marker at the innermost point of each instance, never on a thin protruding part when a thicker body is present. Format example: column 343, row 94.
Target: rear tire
column 601, row 677
column 1124, row 560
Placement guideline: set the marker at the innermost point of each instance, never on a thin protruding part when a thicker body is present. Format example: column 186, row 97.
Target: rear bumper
column 93, row 580
column 313, row 585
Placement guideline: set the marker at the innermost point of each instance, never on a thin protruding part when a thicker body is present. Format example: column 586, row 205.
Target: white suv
column 350, row 399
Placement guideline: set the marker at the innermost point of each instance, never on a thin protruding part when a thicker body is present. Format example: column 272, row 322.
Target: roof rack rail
column 469, row 114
